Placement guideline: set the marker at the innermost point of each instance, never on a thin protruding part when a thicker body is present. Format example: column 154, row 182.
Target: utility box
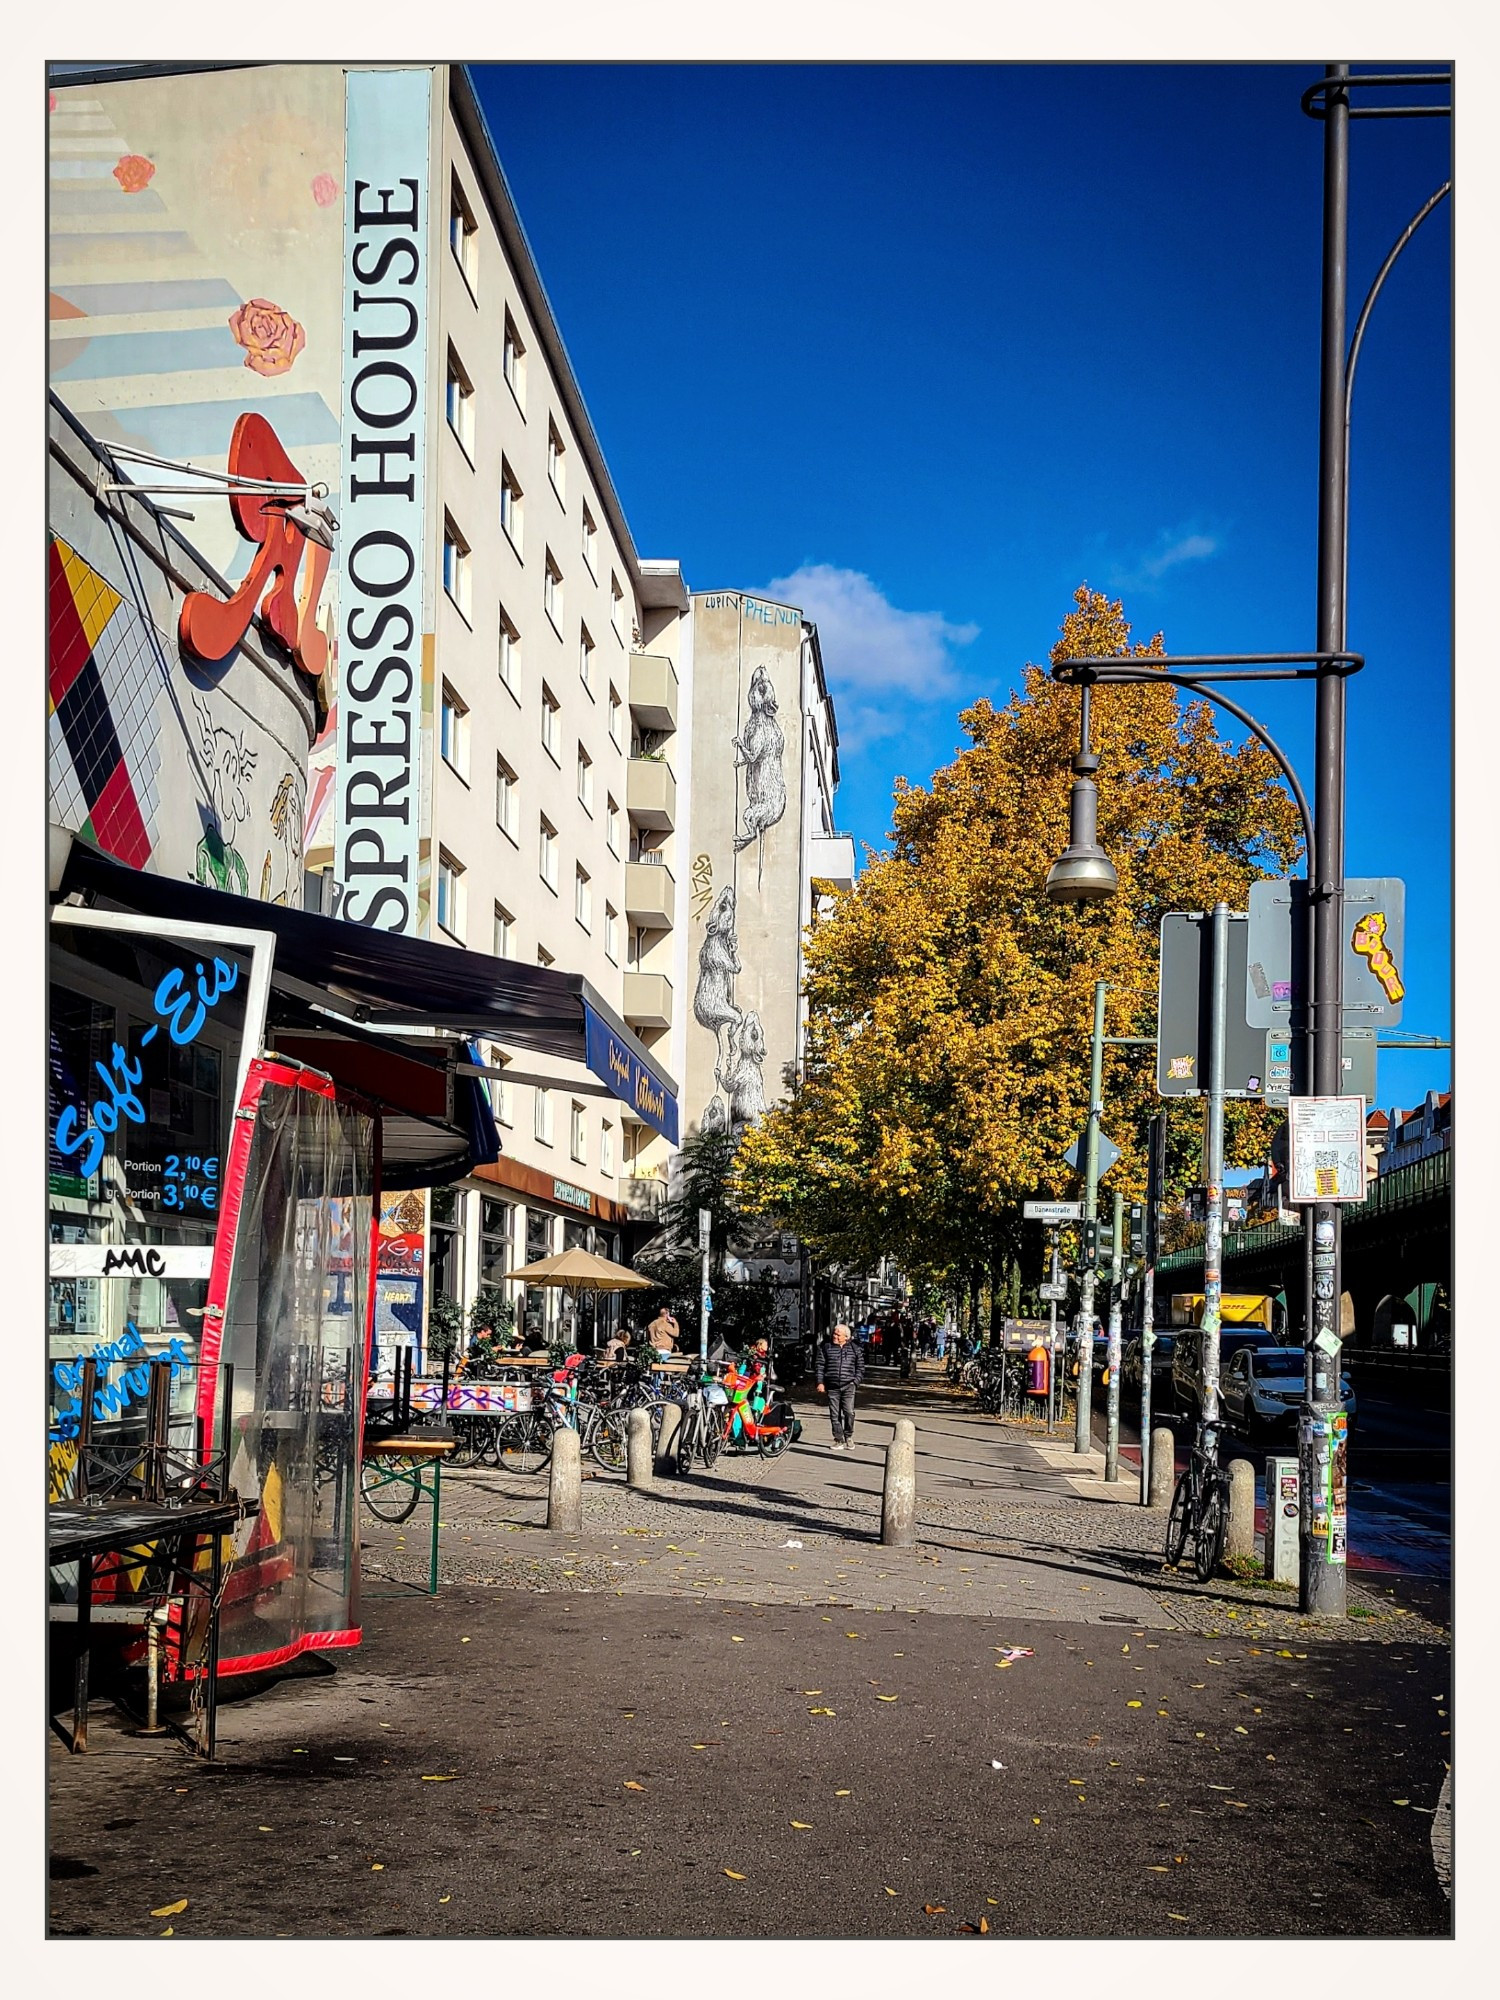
column 1283, row 1519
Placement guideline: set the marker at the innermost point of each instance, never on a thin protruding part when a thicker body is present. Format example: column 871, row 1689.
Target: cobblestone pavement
column 1008, row 1522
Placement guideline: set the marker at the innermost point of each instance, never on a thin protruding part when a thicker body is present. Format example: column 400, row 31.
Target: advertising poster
column 1327, row 1149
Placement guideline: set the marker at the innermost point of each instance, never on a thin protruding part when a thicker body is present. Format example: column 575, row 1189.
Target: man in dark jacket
column 841, row 1369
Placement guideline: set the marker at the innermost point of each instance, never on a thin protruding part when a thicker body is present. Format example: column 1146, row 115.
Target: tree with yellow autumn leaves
column 950, row 1003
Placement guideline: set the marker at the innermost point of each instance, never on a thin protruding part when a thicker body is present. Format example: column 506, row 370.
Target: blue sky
column 922, row 348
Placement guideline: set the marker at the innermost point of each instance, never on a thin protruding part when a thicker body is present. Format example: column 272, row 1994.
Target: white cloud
column 876, row 656
column 1173, row 547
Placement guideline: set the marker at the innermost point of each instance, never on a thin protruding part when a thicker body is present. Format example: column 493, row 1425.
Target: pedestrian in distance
column 663, row 1332
column 841, row 1369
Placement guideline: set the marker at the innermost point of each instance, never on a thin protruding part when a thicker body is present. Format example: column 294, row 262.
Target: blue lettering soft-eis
column 104, row 1117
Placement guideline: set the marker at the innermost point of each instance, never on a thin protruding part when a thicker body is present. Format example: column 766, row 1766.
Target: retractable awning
column 381, row 983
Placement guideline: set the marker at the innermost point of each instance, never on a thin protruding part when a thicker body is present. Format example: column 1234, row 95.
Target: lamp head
column 1083, row 872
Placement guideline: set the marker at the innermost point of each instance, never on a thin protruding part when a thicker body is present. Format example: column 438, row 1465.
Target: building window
column 556, row 452
column 590, row 541
column 549, row 722
column 542, row 1119
column 611, row 934
column 453, row 738
column 496, row 1221
column 457, row 566
column 617, row 607
column 505, row 797
column 586, row 658
column 463, row 237
column 611, row 825
column 460, row 404
column 513, row 361
column 616, row 719
column 606, row 1147
column 511, row 510
column 577, row 1135
column 510, row 651
column 446, row 1271
column 585, row 780
column 552, row 593
column 583, row 898
column 505, row 932
column 500, row 1091
column 547, row 859
column 450, row 895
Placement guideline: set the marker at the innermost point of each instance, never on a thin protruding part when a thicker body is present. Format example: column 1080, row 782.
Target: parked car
column 1161, row 1368
column 1187, row 1358
column 1261, row 1389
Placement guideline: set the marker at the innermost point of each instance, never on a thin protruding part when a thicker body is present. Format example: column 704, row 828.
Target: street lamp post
column 1077, row 876
column 1083, row 1408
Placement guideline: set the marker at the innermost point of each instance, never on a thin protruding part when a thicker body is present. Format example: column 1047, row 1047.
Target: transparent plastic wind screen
column 294, row 1333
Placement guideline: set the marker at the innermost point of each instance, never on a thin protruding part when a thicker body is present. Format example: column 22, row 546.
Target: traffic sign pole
column 1117, row 1287
column 705, row 1304
column 1081, row 1429
column 1213, row 1167
column 1155, row 1175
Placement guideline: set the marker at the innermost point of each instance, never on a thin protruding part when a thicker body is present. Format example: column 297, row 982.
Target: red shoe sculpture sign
column 209, row 628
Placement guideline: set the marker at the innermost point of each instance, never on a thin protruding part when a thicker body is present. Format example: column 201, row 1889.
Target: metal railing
column 1402, row 1188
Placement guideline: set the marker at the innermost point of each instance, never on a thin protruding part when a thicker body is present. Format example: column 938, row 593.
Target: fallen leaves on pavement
column 171, row 1909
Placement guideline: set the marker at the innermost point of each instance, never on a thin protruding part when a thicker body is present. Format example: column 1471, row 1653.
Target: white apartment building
column 553, row 794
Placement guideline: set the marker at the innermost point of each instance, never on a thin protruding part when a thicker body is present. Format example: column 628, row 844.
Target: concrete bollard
column 1163, row 1466
column 1240, row 1540
column 671, row 1421
column 898, row 1500
column 565, row 1485
column 638, row 1466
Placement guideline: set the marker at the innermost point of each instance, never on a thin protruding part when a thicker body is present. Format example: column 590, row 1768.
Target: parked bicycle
column 1200, row 1506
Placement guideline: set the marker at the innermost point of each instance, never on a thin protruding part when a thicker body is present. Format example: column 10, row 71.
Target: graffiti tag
column 702, row 883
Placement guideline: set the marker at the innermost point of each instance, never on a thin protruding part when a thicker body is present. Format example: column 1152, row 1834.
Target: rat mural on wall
column 741, row 1042
column 713, row 996
column 760, row 748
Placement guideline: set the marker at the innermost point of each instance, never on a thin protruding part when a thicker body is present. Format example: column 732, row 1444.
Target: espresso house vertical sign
column 381, row 542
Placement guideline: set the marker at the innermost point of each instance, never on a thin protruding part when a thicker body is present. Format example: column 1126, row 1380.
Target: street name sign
column 1374, row 951
column 1184, row 1010
column 1055, row 1211
column 1327, row 1149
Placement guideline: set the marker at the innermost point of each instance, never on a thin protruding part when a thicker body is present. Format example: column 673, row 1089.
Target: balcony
column 831, row 861
column 651, row 793
column 645, row 1196
column 648, row 1000
column 650, row 895
column 653, row 691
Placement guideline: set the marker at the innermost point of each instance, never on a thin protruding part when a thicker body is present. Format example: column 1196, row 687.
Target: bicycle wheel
column 388, row 1499
column 1213, row 1527
column 523, row 1443
column 689, row 1440
column 471, row 1441
column 607, row 1440
column 710, row 1438
column 773, row 1441
column 1177, row 1520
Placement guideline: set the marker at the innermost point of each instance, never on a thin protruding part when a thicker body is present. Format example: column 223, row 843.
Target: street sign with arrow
column 1108, row 1154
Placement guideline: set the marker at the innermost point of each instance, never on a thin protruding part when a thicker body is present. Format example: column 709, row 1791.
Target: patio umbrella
column 581, row 1271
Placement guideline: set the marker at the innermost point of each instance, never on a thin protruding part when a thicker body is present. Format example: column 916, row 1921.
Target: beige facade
column 765, row 767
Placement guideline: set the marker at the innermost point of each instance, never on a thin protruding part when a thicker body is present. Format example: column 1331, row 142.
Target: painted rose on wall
column 133, row 171
column 325, row 190
column 271, row 338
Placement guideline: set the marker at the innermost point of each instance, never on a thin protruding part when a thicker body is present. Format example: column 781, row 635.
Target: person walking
column 841, row 1369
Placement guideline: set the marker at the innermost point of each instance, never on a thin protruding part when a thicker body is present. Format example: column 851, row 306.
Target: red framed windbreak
column 290, row 1310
